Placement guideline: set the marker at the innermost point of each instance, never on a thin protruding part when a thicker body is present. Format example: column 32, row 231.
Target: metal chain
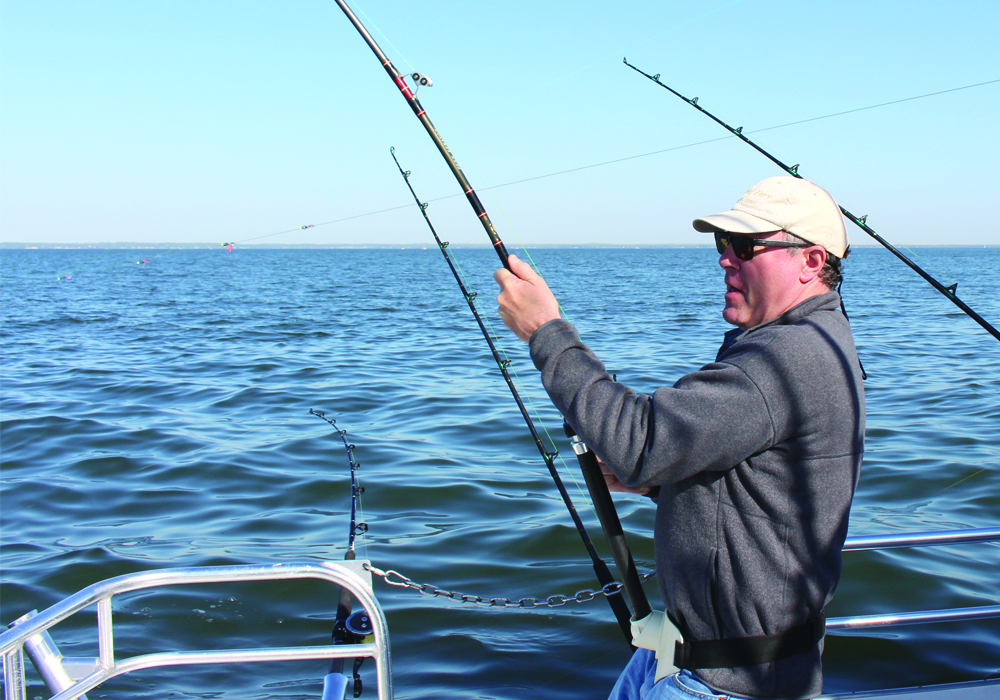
column 553, row 601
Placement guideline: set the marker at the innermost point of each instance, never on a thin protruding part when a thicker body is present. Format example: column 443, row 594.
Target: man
column 753, row 459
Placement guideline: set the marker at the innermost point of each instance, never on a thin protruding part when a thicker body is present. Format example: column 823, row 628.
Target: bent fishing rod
column 949, row 292
column 418, row 110
column 348, row 628
column 632, row 585
column 498, row 246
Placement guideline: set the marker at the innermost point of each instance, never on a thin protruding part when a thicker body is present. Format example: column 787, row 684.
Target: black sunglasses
column 743, row 246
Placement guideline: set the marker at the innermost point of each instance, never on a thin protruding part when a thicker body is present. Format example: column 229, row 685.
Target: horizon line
column 124, row 245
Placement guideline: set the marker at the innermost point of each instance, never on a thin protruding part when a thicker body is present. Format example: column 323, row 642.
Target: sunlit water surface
column 157, row 415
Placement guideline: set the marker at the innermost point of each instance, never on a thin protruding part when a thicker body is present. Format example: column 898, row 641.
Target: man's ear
column 814, row 259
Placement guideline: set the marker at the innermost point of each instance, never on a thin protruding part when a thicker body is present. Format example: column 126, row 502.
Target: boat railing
column 72, row 678
column 917, row 539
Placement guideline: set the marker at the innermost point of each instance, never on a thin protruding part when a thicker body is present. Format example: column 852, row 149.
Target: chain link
column 394, row 578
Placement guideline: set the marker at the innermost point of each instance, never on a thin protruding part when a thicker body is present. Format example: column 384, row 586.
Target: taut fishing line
column 489, row 188
column 892, row 513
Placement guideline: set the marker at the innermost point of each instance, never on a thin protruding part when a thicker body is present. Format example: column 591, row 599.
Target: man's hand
column 614, row 485
column 526, row 303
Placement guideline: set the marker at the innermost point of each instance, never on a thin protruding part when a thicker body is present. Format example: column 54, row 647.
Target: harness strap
column 658, row 633
column 749, row 651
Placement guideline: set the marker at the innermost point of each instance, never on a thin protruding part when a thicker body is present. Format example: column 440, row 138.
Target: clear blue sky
column 218, row 121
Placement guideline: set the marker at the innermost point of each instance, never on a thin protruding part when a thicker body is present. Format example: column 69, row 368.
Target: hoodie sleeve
column 711, row 419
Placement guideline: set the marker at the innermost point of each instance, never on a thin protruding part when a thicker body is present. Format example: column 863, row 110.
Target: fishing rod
column 348, row 628
column 604, row 576
column 418, row 110
column 611, row 524
column 477, row 206
column 861, row 222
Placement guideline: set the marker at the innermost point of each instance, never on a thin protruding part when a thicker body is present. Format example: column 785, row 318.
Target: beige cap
column 784, row 203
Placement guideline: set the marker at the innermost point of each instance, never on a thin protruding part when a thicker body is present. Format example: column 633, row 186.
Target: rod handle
column 611, row 524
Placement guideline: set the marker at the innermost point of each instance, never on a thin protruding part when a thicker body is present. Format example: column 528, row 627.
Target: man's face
column 761, row 289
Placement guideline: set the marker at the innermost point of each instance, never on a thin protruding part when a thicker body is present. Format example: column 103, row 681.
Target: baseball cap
column 784, row 203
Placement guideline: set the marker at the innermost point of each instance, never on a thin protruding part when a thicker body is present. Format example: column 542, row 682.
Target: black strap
column 843, row 310
column 749, row 651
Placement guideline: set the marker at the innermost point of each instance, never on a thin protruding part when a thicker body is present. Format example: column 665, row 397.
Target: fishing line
column 960, row 481
column 883, row 104
column 891, row 513
column 488, row 188
column 369, row 22
column 377, row 165
column 726, row 138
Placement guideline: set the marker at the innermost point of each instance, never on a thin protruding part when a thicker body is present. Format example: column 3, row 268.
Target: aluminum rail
column 922, row 539
column 913, row 618
column 917, row 539
column 346, row 574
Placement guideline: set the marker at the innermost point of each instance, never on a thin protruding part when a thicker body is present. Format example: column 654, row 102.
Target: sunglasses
column 743, row 246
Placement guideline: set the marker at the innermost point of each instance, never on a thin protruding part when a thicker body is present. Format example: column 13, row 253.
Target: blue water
column 157, row 415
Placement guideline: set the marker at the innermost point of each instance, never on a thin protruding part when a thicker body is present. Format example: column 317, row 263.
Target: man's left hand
column 615, row 485
column 526, row 303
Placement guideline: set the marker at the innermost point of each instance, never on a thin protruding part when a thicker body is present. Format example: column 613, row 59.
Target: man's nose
column 728, row 259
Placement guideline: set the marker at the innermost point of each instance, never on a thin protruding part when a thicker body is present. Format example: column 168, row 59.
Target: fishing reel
column 359, row 631
column 359, row 628
column 420, row 80
column 356, row 629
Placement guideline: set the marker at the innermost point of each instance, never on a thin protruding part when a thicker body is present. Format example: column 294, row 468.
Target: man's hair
column 832, row 273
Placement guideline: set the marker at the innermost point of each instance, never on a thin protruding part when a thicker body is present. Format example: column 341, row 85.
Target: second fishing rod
column 349, row 627
column 588, row 462
column 950, row 292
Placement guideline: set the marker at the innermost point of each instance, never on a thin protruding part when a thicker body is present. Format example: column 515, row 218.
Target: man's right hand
column 526, row 302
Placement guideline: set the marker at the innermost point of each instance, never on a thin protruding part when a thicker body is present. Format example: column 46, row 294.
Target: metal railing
column 71, row 678
column 917, row 539
column 30, row 633
column 922, row 539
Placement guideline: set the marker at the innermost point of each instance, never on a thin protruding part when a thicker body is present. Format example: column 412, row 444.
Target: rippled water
column 157, row 415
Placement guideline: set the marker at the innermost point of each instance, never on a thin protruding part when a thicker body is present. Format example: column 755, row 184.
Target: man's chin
column 731, row 316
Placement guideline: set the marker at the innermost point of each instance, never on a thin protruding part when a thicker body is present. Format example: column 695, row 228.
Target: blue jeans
column 636, row 683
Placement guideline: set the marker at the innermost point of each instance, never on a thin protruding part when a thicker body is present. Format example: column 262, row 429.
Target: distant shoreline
column 394, row 246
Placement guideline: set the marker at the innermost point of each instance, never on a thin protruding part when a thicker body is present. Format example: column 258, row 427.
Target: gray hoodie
column 757, row 456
